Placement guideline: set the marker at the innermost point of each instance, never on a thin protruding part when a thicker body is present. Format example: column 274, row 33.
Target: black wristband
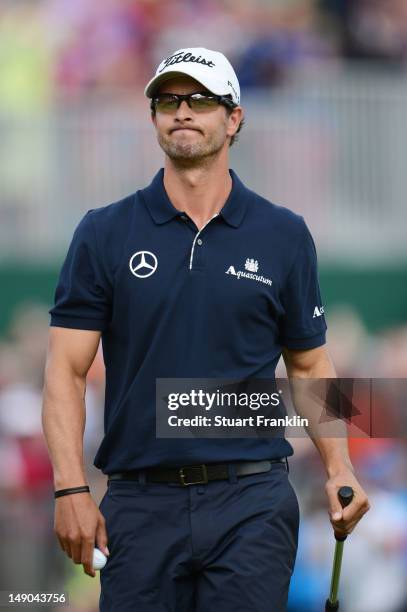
column 62, row 492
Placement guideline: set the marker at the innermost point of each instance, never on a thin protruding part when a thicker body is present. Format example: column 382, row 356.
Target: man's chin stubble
column 187, row 154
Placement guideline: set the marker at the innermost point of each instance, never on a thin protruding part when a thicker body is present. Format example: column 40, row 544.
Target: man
column 191, row 524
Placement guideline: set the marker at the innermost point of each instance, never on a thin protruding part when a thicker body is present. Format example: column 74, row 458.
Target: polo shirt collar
column 162, row 209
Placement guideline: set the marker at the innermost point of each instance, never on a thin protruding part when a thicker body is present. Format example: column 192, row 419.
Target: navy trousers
column 225, row 546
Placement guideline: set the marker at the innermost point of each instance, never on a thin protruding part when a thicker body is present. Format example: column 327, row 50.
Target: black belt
column 197, row 474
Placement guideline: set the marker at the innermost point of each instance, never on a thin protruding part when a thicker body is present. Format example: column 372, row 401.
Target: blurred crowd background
column 324, row 87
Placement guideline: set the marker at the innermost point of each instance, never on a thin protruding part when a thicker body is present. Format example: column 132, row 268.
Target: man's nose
column 183, row 111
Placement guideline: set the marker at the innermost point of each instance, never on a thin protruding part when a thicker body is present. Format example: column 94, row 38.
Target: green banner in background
column 379, row 296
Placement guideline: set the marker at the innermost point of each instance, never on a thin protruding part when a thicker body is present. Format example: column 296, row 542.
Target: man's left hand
column 344, row 520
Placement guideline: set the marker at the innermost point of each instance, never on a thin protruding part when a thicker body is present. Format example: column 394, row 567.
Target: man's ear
column 236, row 117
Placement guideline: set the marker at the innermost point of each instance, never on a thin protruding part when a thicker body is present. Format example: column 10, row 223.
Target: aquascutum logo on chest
column 251, row 268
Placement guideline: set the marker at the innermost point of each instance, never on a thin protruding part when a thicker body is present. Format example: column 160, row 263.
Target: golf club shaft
column 336, row 572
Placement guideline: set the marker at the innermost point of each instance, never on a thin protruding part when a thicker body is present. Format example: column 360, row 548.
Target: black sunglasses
column 198, row 102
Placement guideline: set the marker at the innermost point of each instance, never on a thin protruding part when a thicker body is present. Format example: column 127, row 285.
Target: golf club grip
column 345, row 495
column 331, row 606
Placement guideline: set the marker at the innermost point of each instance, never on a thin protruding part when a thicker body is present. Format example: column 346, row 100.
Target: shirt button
column 199, row 241
column 184, row 217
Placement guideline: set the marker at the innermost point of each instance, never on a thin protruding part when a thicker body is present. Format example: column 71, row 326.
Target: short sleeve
column 83, row 295
column 303, row 324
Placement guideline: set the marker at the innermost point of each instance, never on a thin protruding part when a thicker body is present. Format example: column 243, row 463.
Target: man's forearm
column 63, row 420
column 334, row 451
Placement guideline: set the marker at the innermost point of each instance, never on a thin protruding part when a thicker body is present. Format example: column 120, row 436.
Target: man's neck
column 200, row 192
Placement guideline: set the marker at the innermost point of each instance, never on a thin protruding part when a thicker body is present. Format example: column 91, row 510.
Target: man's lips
column 184, row 130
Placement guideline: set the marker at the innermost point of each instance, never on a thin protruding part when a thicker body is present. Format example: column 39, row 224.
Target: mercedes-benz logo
column 143, row 264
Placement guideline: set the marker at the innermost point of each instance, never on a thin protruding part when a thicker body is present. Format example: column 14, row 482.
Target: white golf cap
column 211, row 68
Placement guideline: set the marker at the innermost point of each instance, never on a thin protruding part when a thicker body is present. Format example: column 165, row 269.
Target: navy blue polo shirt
column 175, row 302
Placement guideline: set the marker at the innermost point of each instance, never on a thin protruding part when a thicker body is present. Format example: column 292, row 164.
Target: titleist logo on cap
column 185, row 57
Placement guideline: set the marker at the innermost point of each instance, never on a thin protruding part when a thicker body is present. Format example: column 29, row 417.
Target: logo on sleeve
column 143, row 264
column 318, row 312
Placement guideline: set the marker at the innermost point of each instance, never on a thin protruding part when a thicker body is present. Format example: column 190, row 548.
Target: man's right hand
column 80, row 527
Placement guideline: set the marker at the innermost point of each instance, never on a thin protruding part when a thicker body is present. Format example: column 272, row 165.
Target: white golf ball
column 99, row 559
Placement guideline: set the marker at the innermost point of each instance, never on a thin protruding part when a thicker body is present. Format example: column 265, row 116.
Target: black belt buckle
column 184, row 477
